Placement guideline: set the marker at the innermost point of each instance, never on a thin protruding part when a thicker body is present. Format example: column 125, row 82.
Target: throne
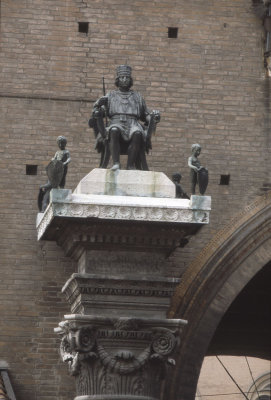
column 98, row 122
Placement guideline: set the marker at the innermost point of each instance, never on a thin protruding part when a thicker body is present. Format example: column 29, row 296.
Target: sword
column 106, row 122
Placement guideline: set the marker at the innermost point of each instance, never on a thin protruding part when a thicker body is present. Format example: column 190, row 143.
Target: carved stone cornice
column 88, row 292
column 82, row 221
column 118, row 356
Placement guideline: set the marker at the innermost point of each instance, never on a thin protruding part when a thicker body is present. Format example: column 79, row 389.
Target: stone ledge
column 119, row 208
column 101, row 321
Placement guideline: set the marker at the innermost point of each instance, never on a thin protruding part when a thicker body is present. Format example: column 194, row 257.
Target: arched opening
column 234, row 378
column 209, row 288
column 245, row 328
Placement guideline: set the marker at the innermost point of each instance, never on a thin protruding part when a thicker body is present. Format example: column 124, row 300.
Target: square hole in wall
column 83, row 27
column 173, row 33
column 224, row 179
column 31, row 169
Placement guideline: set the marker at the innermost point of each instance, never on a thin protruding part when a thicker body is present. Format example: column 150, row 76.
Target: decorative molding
column 135, row 368
column 126, row 208
column 88, row 285
column 45, row 221
column 124, row 212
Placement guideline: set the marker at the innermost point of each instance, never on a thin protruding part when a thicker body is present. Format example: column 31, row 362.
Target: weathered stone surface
column 130, row 264
column 115, row 357
column 122, row 208
column 120, row 343
column 200, row 202
column 119, row 295
column 126, row 183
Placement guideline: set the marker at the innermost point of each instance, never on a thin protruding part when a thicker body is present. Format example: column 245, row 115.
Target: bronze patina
column 130, row 126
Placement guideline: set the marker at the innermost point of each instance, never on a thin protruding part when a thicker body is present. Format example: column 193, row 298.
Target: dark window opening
column 31, row 169
column 224, row 179
column 83, row 27
column 173, row 33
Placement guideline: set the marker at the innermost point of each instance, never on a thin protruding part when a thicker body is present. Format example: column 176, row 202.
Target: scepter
column 105, row 109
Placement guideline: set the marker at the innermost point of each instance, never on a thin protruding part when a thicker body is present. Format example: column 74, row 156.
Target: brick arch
column 211, row 283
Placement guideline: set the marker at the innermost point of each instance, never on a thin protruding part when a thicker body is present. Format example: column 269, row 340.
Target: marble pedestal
column 117, row 340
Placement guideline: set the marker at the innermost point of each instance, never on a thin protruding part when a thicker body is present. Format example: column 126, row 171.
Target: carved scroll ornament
column 84, row 344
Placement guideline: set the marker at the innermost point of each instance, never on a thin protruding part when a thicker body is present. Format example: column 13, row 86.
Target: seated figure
column 176, row 179
column 130, row 124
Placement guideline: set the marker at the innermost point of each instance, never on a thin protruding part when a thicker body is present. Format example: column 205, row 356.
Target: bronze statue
column 130, row 126
column 62, row 155
column 180, row 194
column 56, row 171
column 198, row 174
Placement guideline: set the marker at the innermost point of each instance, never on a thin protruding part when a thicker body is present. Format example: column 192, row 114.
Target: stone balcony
column 104, row 213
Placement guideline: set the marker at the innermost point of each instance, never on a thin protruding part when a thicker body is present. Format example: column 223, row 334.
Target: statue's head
column 176, row 177
column 124, row 77
column 61, row 141
column 196, row 148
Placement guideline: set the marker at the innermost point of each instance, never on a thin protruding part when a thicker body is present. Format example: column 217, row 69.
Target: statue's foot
column 115, row 167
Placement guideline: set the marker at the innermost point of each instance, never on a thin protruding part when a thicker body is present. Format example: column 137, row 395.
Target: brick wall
column 210, row 86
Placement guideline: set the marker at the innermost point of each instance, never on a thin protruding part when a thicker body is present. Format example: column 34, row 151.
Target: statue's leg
column 63, row 180
column 134, row 149
column 105, row 155
column 144, row 164
column 114, row 140
column 193, row 182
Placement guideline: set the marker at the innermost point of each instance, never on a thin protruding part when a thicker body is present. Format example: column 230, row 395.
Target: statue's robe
column 125, row 110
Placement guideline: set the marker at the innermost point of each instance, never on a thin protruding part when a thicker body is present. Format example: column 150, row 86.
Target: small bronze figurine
column 56, row 171
column 130, row 124
column 180, row 194
column 62, row 155
column 198, row 174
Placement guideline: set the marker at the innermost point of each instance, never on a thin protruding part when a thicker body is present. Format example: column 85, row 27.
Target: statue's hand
column 101, row 102
column 156, row 115
column 99, row 112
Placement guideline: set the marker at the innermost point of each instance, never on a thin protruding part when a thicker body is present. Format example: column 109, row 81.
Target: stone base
column 120, row 227
column 126, row 183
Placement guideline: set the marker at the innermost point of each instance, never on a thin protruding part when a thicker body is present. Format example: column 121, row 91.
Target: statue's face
column 124, row 82
column 62, row 144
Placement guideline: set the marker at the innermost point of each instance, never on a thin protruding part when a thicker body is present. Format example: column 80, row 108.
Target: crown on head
column 124, row 70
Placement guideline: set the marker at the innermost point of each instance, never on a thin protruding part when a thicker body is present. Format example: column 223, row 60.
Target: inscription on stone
column 121, row 264
column 116, row 334
column 126, row 292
